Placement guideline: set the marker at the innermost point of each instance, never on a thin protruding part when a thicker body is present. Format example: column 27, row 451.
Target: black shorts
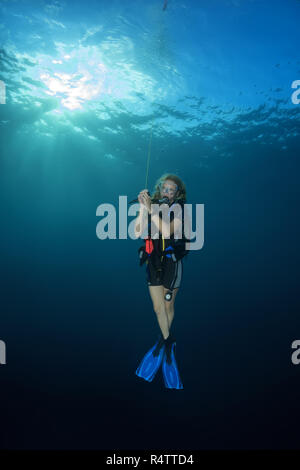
column 170, row 276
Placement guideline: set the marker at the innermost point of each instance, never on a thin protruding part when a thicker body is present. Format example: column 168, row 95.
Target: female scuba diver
column 162, row 252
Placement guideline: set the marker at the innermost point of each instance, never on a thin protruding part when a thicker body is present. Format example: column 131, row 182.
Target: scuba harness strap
column 175, row 250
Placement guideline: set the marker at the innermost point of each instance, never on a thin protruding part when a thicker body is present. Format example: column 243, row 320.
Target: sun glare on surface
column 79, row 78
column 73, row 79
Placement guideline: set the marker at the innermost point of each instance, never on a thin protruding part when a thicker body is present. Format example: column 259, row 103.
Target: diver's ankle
column 169, row 339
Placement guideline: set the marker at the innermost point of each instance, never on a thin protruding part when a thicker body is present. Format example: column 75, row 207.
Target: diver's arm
column 168, row 228
column 141, row 222
column 164, row 227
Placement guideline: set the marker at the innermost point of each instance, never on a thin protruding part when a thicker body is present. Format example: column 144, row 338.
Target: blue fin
column 170, row 371
column 150, row 364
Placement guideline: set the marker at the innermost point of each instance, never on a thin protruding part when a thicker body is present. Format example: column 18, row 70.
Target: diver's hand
column 145, row 200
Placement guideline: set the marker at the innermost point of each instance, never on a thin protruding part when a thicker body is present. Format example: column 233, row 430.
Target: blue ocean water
column 85, row 82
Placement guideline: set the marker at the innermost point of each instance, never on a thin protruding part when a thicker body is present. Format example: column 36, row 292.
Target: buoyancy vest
column 160, row 248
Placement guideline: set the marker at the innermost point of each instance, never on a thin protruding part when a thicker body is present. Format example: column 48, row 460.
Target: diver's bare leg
column 169, row 306
column 157, row 296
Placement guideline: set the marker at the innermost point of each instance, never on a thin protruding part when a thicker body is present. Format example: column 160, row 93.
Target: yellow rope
column 148, row 159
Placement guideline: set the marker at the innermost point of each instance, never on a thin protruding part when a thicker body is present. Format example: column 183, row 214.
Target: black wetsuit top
column 158, row 242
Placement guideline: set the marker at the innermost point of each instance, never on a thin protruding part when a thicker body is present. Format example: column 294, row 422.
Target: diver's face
column 168, row 189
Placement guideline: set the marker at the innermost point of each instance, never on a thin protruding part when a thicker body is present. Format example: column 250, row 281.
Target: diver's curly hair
column 181, row 193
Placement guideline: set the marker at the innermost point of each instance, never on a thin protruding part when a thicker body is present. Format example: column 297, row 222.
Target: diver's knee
column 169, row 308
column 170, row 315
column 160, row 310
